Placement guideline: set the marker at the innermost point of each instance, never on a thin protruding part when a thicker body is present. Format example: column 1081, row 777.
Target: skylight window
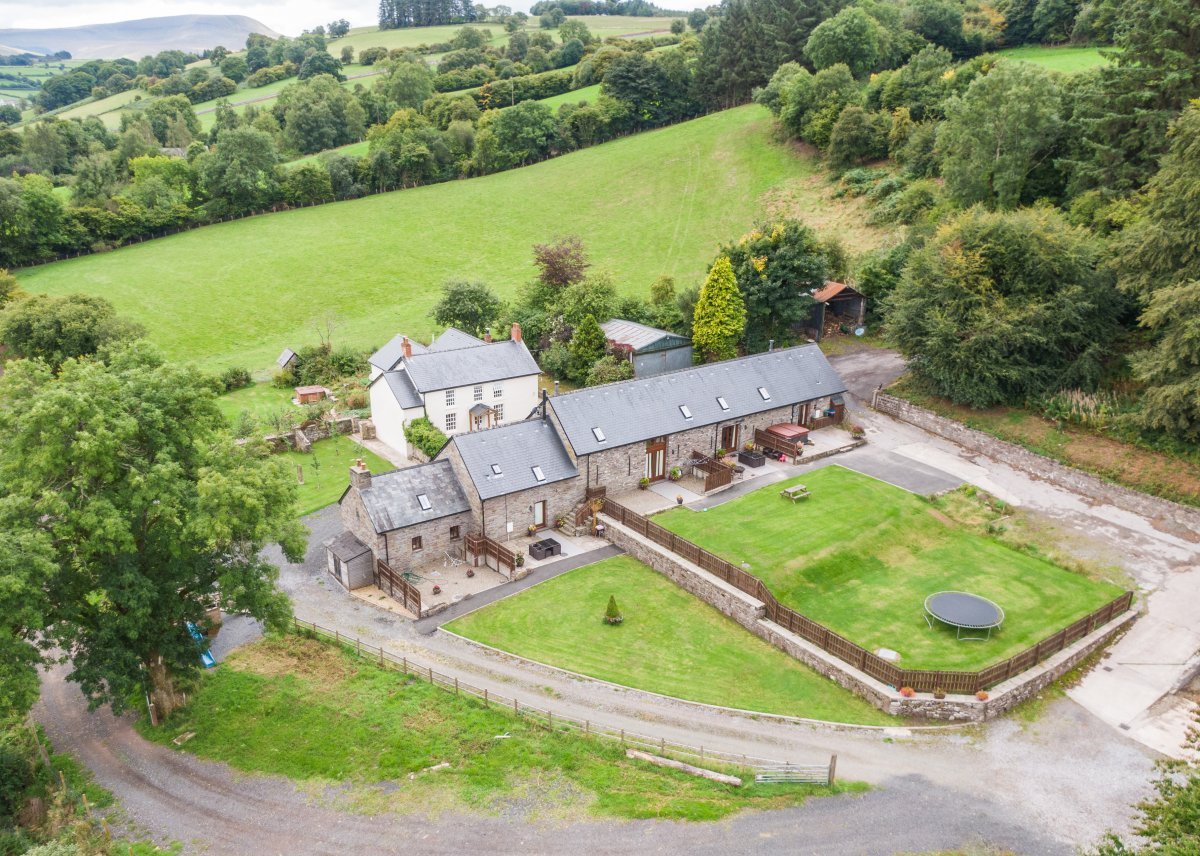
column 423, row 501
column 687, row 414
column 766, row 396
column 598, row 434
column 496, row 471
column 722, row 403
column 538, row 474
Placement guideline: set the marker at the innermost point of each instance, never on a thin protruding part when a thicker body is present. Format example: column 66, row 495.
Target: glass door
column 539, row 513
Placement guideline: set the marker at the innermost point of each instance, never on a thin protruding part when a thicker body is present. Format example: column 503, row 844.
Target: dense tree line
column 641, row 8
column 394, row 14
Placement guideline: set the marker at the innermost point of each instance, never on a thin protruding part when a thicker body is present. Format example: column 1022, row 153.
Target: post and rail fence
column 921, row 680
column 544, row 717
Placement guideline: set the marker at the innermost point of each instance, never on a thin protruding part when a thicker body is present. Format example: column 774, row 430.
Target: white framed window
column 498, row 410
column 451, row 421
column 478, row 393
column 497, row 390
column 449, row 398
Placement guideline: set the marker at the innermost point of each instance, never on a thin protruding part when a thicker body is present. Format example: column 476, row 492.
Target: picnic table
column 795, row 492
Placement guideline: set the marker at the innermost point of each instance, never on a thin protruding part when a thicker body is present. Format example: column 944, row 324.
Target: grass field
column 670, row 642
column 301, row 709
column 1066, row 59
column 860, row 557
column 587, row 94
column 654, row 203
column 355, row 150
column 327, row 470
column 260, row 400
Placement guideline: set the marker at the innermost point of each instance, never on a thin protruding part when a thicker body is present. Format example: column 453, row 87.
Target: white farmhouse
column 459, row 382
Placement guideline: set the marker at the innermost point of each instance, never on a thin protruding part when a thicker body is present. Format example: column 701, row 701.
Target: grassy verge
column 670, row 642
column 1170, row 476
column 860, row 557
column 326, row 470
column 308, row 711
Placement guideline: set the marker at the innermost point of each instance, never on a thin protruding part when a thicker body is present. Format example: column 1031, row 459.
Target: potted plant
column 939, row 693
column 856, row 430
column 982, row 695
column 720, row 453
column 520, row 560
column 679, row 499
column 560, row 521
column 612, row 615
column 470, row 572
column 532, row 529
column 643, row 483
column 675, row 474
column 907, row 692
column 437, row 589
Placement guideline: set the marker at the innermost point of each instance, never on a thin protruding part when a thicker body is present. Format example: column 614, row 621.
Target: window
column 498, row 412
column 687, row 414
column 416, row 544
column 722, row 403
column 496, row 471
column 423, row 501
column 497, row 390
column 538, row 474
column 766, row 396
column 455, row 533
column 479, row 393
column 598, row 434
column 449, row 398
column 451, row 421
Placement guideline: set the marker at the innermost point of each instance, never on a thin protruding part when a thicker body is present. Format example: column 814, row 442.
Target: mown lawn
column 860, row 556
column 655, row 203
column 302, row 709
column 670, row 642
column 260, row 400
column 1064, row 58
column 326, row 470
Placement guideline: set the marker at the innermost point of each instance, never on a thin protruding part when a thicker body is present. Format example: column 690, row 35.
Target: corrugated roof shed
column 464, row 366
column 286, row 357
column 391, row 500
column 640, row 337
column 508, row 459
column 636, row 410
column 833, row 289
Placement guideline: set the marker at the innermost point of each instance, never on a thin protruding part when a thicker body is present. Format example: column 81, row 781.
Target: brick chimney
column 516, row 332
column 487, row 336
column 360, row 476
column 406, row 346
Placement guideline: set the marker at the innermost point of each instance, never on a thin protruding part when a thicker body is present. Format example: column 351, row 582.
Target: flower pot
column 679, row 500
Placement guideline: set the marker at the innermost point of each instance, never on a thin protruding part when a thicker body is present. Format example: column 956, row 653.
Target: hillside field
column 654, row 203
column 1067, row 59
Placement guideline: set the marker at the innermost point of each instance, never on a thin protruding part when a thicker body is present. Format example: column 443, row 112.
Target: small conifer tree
column 612, row 615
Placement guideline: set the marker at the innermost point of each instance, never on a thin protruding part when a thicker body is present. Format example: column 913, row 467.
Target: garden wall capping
column 1039, row 466
column 751, row 614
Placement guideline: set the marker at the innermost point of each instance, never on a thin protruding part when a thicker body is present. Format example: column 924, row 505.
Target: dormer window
column 722, row 403
column 496, row 471
column 687, row 413
column 423, row 501
column 766, row 396
column 538, row 474
column 599, row 435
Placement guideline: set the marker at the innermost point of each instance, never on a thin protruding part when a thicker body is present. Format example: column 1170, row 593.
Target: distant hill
column 136, row 39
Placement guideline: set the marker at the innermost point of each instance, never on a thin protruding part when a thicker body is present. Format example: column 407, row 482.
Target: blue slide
column 206, row 657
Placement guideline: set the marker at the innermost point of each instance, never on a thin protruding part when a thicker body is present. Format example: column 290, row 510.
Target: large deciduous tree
column 1157, row 262
column 851, row 37
column 56, row 328
column 124, row 467
column 1004, row 307
column 998, row 132
column 720, row 314
column 242, row 173
column 470, row 306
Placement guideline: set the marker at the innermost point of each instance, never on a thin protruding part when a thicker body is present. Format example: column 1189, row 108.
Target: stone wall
column 560, row 497
column 750, row 613
column 435, row 541
column 1069, row 478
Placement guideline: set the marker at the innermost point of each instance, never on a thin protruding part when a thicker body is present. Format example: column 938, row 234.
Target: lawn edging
column 750, row 613
column 739, row 711
column 1055, row 472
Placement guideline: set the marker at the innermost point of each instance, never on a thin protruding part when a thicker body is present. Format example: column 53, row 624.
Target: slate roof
column 401, row 386
column 638, row 336
column 465, row 366
column 454, row 338
column 286, row 357
column 387, row 357
column 391, row 500
column 516, row 449
column 346, row 547
column 640, row 409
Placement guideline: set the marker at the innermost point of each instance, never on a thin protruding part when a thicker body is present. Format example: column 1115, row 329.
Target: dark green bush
column 235, row 378
column 425, row 436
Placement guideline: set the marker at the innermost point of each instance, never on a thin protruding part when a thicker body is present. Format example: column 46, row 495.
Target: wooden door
column 539, row 514
column 656, row 460
column 729, row 438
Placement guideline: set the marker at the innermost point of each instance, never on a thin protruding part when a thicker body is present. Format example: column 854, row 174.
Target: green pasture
column 326, row 470
column 1064, row 58
column 670, row 642
column 305, row 710
column 354, row 150
column 587, row 94
column 655, row 203
column 260, row 400
column 860, row 557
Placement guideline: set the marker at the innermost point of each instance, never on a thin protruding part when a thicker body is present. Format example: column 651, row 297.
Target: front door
column 729, row 438
column 539, row 514
column 656, row 459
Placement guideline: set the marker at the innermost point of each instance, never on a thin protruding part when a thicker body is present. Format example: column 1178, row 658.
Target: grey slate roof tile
column 640, row 409
column 515, row 449
column 454, row 338
column 402, row 388
column 346, row 546
column 391, row 500
column 464, row 366
column 387, row 357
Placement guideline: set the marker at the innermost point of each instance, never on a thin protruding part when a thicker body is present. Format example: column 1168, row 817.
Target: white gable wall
column 389, row 417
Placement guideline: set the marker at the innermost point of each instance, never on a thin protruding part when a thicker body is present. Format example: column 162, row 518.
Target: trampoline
column 964, row 611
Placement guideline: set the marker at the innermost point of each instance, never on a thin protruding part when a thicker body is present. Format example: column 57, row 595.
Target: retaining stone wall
column 750, row 613
column 1061, row 475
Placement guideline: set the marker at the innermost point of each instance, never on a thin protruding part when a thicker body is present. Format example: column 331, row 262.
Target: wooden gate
column 398, row 588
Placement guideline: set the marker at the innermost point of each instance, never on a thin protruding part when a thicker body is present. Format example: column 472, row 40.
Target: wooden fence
column 391, row 582
column 481, row 545
column 767, row 440
column 546, row 718
column 716, row 474
column 921, row 680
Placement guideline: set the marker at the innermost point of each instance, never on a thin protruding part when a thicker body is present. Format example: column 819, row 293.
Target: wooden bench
column 795, row 492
